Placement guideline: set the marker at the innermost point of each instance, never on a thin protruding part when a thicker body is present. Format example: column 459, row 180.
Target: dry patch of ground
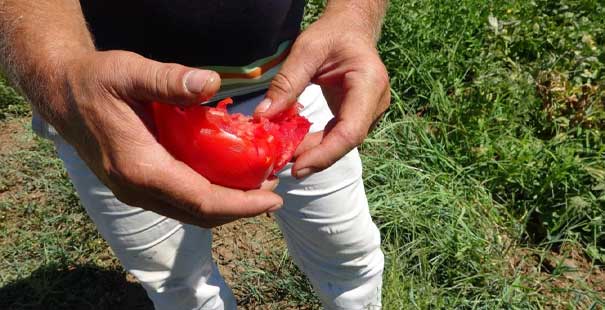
column 12, row 137
column 559, row 275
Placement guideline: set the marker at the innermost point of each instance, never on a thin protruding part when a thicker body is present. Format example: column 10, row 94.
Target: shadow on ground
column 74, row 287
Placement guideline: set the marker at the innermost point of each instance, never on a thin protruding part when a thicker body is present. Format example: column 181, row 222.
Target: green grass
column 492, row 144
column 50, row 253
column 11, row 103
column 486, row 177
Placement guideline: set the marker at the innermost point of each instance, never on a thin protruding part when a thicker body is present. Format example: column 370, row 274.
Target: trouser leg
column 325, row 220
column 173, row 261
column 328, row 229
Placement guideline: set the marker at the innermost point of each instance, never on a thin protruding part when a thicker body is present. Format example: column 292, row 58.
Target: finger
column 310, row 141
column 335, row 144
column 295, row 74
column 166, row 82
column 180, row 215
column 227, row 202
column 350, row 127
column 176, row 184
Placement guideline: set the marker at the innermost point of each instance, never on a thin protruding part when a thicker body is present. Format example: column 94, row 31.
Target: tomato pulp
column 231, row 150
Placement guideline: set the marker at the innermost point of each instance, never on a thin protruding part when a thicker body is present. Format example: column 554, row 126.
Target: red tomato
column 232, row 150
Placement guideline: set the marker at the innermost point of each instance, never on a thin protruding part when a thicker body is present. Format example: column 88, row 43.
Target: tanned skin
column 338, row 52
column 98, row 101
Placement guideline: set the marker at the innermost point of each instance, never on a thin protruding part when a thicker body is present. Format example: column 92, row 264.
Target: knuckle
column 383, row 78
column 156, row 81
column 379, row 74
column 117, row 69
column 386, row 102
column 282, row 83
column 115, row 174
column 351, row 137
column 325, row 163
column 124, row 175
column 165, row 77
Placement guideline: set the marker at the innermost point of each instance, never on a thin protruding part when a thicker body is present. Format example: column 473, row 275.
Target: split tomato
column 231, row 150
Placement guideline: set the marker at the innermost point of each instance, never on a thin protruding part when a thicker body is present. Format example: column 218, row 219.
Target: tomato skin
column 231, row 150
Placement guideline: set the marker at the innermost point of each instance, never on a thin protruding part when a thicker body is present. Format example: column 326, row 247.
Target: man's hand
column 98, row 102
column 106, row 118
column 338, row 53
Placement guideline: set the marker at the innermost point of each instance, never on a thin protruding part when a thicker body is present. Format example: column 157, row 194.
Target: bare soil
column 559, row 273
column 11, row 135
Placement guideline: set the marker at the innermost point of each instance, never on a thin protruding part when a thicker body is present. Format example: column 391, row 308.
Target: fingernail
column 304, row 172
column 275, row 208
column 264, row 105
column 196, row 80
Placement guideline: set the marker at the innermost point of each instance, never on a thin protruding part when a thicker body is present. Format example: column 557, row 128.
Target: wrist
column 49, row 84
column 363, row 17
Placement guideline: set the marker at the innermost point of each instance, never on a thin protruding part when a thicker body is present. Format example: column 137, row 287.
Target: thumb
column 170, row 83
column 295, row 74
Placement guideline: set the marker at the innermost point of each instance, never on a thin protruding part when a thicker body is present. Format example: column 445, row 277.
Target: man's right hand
column 104, row 115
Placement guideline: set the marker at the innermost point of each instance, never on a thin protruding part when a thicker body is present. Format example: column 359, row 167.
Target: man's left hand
column 338, row 52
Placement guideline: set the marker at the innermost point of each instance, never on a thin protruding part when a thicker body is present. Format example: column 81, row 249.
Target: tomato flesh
column 231, row 150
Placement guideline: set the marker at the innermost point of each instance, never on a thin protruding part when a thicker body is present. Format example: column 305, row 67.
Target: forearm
column 38, row 39
column 365, row 15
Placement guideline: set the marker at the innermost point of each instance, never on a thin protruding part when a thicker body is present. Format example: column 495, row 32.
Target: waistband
column 235, row 81
column 252, row 77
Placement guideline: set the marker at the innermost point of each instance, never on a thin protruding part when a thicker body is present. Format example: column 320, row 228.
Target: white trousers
column 325, row 221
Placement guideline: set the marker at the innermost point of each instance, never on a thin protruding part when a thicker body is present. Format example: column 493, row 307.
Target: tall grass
column 493, row 141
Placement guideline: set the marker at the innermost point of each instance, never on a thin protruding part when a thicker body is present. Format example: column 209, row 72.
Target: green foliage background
column 494, row 133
